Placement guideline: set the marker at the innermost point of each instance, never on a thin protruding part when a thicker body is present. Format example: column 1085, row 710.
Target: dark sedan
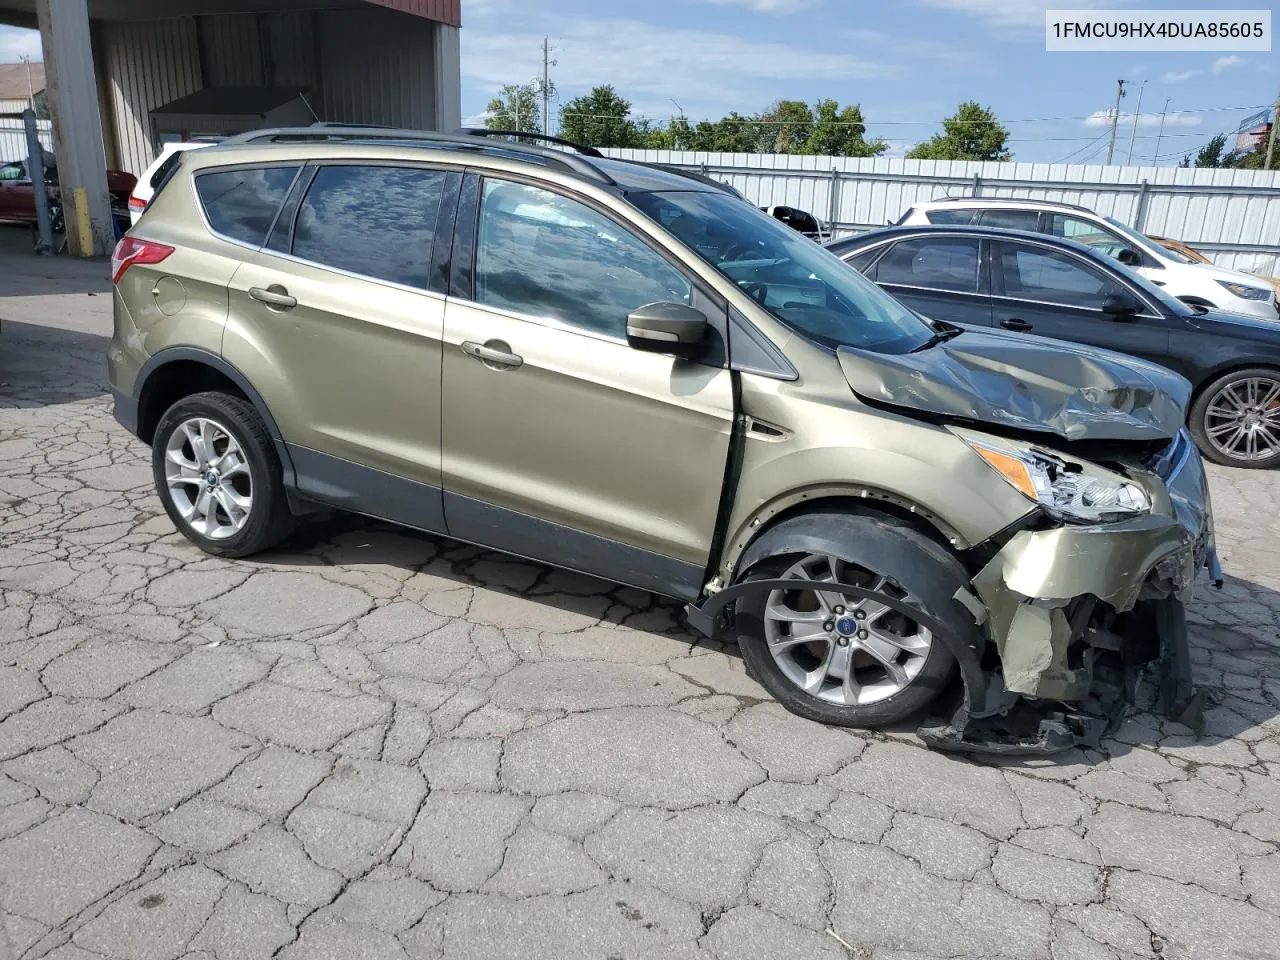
column 1047, row 286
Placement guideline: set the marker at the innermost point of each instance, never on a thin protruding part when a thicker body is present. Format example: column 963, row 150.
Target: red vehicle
column 17, row 198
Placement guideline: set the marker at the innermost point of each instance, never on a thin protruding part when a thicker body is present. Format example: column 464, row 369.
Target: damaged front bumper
column 1076, row 614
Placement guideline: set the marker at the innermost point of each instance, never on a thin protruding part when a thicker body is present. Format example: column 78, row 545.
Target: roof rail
column 330, row 133
column 579, row 148
column 1051, row 203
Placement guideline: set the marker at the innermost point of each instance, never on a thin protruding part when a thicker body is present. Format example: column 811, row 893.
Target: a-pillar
column 71, row 87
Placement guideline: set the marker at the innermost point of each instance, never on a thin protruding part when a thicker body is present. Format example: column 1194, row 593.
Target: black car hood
column 1026, row 383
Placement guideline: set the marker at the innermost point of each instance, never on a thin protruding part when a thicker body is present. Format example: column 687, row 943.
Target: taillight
column 131, row 250
column 137, row 203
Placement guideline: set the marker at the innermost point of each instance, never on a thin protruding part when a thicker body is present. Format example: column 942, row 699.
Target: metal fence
column 13, row 138
column 1231, row 215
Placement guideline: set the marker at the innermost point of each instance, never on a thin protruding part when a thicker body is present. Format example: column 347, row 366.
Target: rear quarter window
column 242, row 203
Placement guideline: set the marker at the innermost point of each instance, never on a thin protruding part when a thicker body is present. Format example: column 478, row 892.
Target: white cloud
column 779, row 8
column 1225, row 63
column 1102, row 118
column 1179, row 76
column 16, row 43
column 1022, row 14
column 706, row 72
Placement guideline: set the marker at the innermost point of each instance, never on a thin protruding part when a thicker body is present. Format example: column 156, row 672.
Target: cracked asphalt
column 377, row 744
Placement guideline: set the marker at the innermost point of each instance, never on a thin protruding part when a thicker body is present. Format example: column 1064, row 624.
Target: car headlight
column 1063, row 488
column 1246, row 292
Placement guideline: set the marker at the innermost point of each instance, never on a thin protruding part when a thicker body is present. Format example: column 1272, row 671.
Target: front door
column 340, row 299
column 1051, row 293
column 938, row 277
column 560, row 441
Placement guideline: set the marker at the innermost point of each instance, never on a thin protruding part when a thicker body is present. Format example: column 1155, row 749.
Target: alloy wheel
column 837, row 648
column 1242, row 420
column 208, row 478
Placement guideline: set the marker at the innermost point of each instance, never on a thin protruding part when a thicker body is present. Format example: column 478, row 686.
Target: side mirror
column 673, row 328
column 1120, row 306
column 1130, row 258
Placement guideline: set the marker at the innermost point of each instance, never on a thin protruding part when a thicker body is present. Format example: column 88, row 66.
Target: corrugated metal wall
column 1232, row 215
column 146, row 64
column 13, row 138
column 233, row 54
column 377, row 67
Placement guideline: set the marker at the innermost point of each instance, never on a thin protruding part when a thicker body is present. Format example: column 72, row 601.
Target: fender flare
column 194, row 354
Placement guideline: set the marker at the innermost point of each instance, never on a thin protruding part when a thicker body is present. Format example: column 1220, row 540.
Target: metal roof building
column 128, row 68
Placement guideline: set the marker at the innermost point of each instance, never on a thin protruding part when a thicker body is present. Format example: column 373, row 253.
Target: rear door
column 938, row 276
column 337, row 324
column 560, row 441
column 1052, row 293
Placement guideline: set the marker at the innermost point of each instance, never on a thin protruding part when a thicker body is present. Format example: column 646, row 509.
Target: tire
column 1257, row 389
column 247, row 471
column 880, row 554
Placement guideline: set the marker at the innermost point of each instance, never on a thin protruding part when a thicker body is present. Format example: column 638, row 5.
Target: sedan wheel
column 844, row 651
column 1240, row 419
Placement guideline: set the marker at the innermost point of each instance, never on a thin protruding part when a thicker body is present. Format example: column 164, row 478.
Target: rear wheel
column 1236, row 419
column 218, row 475
column 850, row 661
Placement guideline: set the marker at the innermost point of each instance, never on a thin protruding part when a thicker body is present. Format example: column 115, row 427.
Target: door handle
column 274, row 296
column 1013, row 323
column 493, row 353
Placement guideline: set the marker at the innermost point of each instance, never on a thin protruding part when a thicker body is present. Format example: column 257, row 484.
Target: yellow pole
column 84, row 230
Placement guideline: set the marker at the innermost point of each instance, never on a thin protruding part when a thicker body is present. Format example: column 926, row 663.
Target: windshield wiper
column 944, row 333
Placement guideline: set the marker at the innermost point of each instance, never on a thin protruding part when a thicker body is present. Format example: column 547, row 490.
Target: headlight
column 1063, row 488
column 1244, row 292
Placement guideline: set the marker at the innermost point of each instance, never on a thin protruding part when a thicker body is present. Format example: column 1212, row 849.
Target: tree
column 972, row 133
column 600, row 118
column 515, row 108
column 785, row 127
column 841, row 133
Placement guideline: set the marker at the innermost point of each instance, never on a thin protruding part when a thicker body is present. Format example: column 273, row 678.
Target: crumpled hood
column 1028, row 383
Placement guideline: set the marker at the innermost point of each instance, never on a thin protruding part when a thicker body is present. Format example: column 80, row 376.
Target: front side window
column 1032, row 273
column 241, row 204
column 938, row 263
column 542, row 254
column 374, row 221
column 1088, row 233
column 802, row 284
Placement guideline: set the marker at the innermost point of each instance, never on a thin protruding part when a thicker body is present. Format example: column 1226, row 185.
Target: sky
column 909, row 63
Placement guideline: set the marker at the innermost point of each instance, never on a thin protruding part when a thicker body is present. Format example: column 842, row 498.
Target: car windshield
column 806, row 287
column 1146, row 243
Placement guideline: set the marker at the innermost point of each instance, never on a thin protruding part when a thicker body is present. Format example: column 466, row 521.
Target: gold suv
column 631, row 372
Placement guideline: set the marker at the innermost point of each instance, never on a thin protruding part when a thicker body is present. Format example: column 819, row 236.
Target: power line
column 894, row 123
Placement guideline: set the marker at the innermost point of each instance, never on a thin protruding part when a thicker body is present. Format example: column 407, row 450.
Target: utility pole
column 1271, row 140
column 546, row 86
column 1115, row 121
column 1136, row 115
column 1155, row 159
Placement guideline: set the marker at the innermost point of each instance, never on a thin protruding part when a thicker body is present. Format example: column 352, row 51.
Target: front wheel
column 838, row 659
column 1236, row 419
column 218, row 475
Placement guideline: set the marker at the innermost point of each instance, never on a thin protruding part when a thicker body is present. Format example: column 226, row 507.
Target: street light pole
column 1136, row 115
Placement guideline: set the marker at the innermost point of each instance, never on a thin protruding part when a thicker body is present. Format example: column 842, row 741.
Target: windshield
column 804, row 286
column 1146, row 243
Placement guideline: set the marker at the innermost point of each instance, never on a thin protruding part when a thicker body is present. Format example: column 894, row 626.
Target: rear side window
column 242, row 203
column 938, row 263
column 375, row 221
column 951, row 217
column 1011, row 219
